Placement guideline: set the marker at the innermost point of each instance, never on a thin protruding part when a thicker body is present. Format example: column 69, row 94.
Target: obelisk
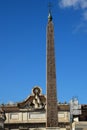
column 51, row 101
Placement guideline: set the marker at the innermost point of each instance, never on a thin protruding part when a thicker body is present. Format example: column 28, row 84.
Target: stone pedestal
column 52, row 128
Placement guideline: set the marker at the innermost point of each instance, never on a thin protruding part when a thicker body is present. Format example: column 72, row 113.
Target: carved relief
column 2, row 115
column 34, row 101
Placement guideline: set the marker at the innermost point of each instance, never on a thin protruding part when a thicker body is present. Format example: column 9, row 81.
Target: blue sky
column 23, row 48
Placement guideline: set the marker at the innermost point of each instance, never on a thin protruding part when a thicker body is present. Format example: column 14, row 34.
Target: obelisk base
column 52, row 128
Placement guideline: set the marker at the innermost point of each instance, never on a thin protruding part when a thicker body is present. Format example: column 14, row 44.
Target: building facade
column 31, row 114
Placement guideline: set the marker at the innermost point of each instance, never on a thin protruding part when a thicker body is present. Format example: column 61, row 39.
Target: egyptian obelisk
column 51, row 101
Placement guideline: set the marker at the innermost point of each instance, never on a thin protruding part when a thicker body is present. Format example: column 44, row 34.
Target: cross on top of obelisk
column 50, row 5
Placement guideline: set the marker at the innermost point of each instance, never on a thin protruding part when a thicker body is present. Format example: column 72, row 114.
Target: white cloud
column 83, row 4
column 85, row 15
column 78, row 27
column 73, row 3
column 68, row 3
column 82, row 27
column 76, row 4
